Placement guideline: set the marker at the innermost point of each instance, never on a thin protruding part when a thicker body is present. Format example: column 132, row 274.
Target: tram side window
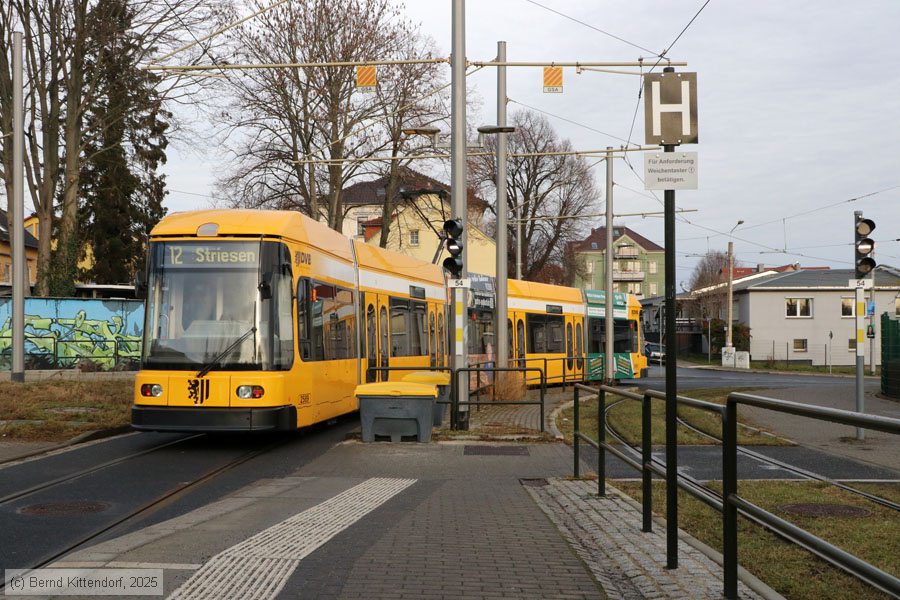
column 596, row 338
column 303, row 316
column 556, row 343
column 399, row 327
column 326, row 324
column 509, row 336
column 537, row 334
column 321, row 302
column 625, row 339
column 417, row 341
column 340, row 326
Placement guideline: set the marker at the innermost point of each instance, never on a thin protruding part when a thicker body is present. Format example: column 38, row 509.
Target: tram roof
column 544, row 291
column 287, row 224
column 373, row 258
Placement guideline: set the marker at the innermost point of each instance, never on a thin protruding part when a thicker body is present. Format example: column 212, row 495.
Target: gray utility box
column 442, row 382
column 396, row 409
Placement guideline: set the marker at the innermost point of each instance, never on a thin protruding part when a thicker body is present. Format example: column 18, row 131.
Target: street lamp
column 432, row 132
column 728, row 343
column 501, row 338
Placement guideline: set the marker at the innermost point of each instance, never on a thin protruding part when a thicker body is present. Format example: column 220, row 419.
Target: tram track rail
column 173, row 494
column 804, row 473
column 93, row 469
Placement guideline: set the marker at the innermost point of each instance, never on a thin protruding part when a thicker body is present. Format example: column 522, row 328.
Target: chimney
column 760, row 267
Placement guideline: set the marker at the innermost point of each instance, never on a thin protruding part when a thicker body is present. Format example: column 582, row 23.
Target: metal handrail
column 730, row 503
column 455, row 396
column 454, row 383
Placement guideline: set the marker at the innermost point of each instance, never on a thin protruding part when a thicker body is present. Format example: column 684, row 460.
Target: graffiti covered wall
column 68, row 332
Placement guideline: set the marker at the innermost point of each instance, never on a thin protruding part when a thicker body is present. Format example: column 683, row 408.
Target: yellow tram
column 268, row 320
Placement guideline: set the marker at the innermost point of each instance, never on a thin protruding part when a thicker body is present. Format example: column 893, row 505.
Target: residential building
column 638, row 263
column 809, row 315
column 421, row 206
column 31, row 253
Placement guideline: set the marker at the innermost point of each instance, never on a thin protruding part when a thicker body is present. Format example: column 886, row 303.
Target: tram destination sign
column 193, row 254
column 670, row 170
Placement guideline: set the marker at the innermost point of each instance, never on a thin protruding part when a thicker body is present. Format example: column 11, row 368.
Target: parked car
column 655, row 352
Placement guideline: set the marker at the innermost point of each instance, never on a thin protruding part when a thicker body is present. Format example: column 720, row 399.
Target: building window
column 851, row 344
column 652, row 267
column 590, row 268
column 799, row 345
column 897, row 306
column 635, row 288
column 798, row 307
column 414, row 237
column 847, row 305
column 361, row 226
column 654, row 290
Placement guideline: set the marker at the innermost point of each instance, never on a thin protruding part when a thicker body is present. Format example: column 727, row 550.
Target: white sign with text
column 670, row 170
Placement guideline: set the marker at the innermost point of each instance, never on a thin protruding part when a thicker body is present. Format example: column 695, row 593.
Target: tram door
column 518, row 346
column 432, row 335
column 573, row 364
column 377, row 337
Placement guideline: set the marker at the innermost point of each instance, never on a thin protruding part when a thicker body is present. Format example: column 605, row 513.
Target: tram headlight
column 151, row 390
column 245, row 392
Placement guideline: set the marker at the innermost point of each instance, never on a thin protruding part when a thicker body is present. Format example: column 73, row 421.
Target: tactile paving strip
column 258, row 567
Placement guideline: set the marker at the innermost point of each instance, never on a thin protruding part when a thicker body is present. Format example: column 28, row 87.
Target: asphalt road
column 705, row 463
column 696, row 378
column 33, row 529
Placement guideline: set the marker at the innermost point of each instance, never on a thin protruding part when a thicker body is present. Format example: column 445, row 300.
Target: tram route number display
column 196, row 255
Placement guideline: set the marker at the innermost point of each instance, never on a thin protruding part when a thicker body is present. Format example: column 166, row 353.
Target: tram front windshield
column 227, row 302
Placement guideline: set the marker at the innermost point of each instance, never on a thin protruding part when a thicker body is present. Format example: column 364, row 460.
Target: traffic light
column 863, row 246
column 453, row 230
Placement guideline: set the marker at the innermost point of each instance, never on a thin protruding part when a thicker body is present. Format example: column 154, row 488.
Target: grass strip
column 625, row 418
column 57, row 410
column 787, row 568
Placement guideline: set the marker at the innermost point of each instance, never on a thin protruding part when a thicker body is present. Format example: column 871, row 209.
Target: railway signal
column 453, row 230
column 863, row 246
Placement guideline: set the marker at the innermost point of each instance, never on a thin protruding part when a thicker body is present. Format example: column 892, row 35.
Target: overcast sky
column 799, row 108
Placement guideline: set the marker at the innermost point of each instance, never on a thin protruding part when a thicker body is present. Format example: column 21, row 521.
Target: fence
column 455, row 381
column 50, row 352
column 68, row 332
column 840, row 351
column 890, row 352
column 729, row 503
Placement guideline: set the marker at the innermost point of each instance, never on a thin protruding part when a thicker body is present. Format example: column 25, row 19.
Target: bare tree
column 281, row 119
column 400, row 97
column 708, row 288
column 59, row 91
column 544, row 186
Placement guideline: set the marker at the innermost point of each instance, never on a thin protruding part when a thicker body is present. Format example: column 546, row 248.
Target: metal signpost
column 17, row 231
column 458, row 204
column 670, row 119
column 501, row 340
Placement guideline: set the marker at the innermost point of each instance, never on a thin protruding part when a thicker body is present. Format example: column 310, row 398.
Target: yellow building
column 31, row 226
column 421, row 207
column 31, row 253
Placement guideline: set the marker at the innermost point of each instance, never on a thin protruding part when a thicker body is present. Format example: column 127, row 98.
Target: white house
column 810, row 315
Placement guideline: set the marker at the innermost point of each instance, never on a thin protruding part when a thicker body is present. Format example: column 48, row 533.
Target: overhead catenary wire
column 296, row 65
column 594, row 27
column 218, row 32
column 485, row 153
column 661, row 55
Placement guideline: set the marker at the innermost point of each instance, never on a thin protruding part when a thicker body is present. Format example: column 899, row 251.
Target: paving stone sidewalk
column 629, row 564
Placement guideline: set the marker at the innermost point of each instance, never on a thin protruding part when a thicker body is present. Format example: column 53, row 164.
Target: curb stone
column 745, row 576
